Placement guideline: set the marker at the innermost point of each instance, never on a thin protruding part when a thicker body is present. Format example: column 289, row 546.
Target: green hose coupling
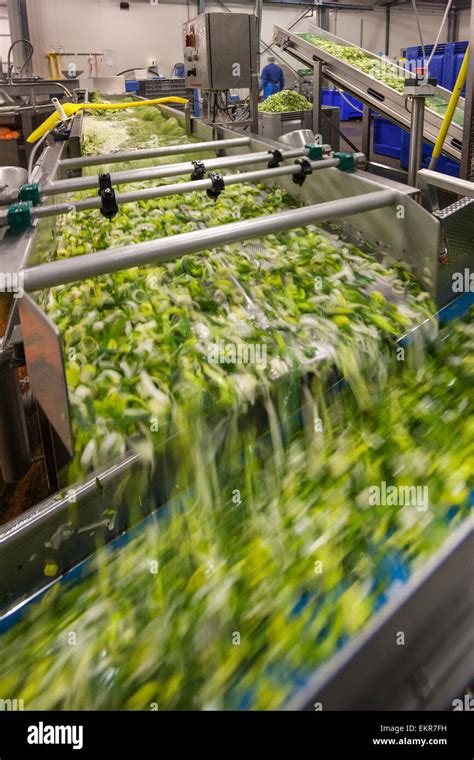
column 315, row 152
column 346, row 162
column 19, row 216
column 30, row 192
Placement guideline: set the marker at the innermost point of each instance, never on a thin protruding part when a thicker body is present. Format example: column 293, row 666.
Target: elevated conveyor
column 371, row 91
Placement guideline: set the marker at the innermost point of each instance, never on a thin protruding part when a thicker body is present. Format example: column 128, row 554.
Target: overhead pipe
column 179, row 188
column 160, row 172
column 140, row 155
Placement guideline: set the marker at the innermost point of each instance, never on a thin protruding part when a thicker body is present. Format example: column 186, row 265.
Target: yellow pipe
column 72, row 108
column 448, row 116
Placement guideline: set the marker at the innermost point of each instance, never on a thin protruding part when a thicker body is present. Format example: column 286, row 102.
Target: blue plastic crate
column 446, row 62
column 445, row 165
column 131, row 85
column 387, row 138
column 334, row 98
column 442, row 63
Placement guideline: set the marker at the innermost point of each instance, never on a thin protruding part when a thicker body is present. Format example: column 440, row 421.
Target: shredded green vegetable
column 271, row 556
column 286, row 100
column 384, row 71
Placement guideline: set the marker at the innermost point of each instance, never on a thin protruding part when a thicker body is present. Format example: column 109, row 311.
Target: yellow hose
column 72, row 108
column 448, row 116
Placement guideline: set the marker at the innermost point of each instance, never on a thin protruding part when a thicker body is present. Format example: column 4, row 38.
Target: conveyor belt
column 385, row 100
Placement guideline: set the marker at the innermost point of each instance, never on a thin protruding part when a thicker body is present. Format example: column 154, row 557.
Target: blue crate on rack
column 387, row 137
column 131, row 85
column 445, row 165
column 334, row 98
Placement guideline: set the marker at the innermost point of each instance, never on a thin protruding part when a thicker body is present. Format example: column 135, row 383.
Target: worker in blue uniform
column 272, row 78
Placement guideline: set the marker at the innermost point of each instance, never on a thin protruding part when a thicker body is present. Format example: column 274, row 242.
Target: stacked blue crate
column 334, row 98
column 391, row 140
column 445, row 165
column 387, row 137
column 442, row 63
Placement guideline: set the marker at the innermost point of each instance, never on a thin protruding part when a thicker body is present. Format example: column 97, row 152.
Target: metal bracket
column 217, row 185
column 346, row 161
column 276, row 159
column 19, row 216
column 109, row 203
column 62, row 132
column 306, row 170
column 315, row 152
column 199, row 170
column 30, row 191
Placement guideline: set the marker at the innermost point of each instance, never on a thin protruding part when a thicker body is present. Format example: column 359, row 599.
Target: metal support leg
column 254, row 103
column 416, row 139
column 387, row 30
column 187, row 119
column 366, row 134
column 317, row 86
column 259, row 14
column 255, row 41
column 467, row 161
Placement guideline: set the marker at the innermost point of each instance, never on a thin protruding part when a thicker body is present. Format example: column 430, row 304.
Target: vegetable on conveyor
column 271, row 557
column 262, row 570
column 384, row 71
column 70, row 109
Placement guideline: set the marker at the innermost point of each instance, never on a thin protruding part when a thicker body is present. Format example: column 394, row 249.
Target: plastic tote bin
column 446, row 62
column 387, row 138
column 334, row 98
column 445, row 165
column 441, row 65
column 131, row 85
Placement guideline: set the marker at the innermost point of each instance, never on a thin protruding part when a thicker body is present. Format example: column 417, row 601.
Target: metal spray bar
column 166, row 249
column 138, row 155
column 179, row 188
column 160, row 172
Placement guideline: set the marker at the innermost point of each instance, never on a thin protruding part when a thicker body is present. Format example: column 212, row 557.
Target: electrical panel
column 220, row 51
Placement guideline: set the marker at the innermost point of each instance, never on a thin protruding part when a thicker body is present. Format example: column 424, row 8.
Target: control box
column 220, row 51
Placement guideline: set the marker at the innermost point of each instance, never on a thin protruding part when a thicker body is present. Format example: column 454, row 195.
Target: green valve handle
column 19, row 216
column 346, row 161
column 30, row 192
column 315, row 152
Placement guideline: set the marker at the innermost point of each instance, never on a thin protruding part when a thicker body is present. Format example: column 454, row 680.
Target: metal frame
column 434, row 665
column 430, row 179
column 60, row 186
column 457, row 226
column 467, row 161
column 180, row 188
column 139, row 155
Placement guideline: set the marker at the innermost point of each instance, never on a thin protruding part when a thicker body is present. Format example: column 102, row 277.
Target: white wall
column 464, row 22
column 130, row 38
column 4, row 35
column 126, row 38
